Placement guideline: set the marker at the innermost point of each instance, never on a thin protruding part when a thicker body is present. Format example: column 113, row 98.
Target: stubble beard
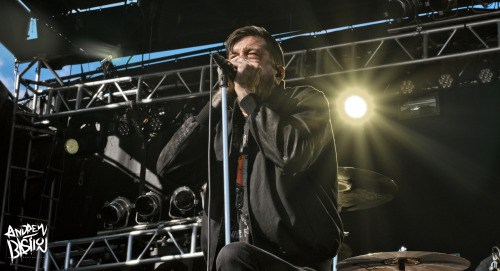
column 265, row 87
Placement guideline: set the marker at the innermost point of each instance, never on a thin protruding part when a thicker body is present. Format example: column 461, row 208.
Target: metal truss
column 117, row 92
column 420, row 46
column 166, row 242
column 24, row 125
column 405, row 49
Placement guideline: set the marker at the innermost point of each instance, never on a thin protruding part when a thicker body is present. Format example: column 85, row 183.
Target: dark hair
column 273, row 46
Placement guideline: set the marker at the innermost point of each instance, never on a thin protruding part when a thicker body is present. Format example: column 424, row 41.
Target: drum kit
column 361, row 189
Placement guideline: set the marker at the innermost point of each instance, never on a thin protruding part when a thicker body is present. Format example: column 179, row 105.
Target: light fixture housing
column 486, row 71
column 124, row 128
column 183, row 198
column 400, row 9
column 155, row 124
column 86, row 135
column 421, row 106
column 148, row 204
column 116, row 212
column 407, row 87
column 446, row 80
column 71, row 146
column 485, row 75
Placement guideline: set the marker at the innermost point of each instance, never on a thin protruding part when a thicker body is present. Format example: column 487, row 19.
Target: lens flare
column 355, row 106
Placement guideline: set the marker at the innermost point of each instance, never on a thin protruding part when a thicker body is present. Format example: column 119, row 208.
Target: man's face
column 253, row 50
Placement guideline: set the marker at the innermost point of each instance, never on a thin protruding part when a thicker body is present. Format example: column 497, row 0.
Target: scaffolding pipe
column 30, row 144
column 11, row 145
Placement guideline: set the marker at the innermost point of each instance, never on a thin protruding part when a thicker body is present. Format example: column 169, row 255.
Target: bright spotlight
column 355, row 106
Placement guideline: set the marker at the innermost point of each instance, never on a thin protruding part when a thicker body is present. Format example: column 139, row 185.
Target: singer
column 282, row 165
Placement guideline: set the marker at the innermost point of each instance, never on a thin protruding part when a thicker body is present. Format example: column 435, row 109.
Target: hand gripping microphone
column 227, row 67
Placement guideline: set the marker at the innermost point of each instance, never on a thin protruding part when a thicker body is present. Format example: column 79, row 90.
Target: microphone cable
column 209, row 164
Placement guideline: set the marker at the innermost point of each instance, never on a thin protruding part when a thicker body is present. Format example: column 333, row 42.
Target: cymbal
column 362, row 189
column 405, row 260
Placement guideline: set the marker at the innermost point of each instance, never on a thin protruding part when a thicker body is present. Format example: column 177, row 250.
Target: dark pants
column 241, row 256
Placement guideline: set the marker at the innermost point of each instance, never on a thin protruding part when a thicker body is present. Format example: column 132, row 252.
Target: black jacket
column 292, row 187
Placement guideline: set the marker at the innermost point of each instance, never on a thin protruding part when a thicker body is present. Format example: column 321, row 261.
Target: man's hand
column 246, row 81
column 247, row 77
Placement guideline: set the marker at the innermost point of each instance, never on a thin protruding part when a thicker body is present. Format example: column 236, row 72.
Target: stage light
column 485, row 75
column 123, row 128
column 183, row 198
column 445, row 80
column 355, row 106
column 71, row 146
column 407, row 86
column 485, row 71
column 87, row 142
column 416, row 107
column 155, row 124
column 399, row 9
column 148, row 204
column 116, row 211
column 85, row 135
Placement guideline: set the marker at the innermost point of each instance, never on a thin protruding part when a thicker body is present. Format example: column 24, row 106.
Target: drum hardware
column 405, row 260
column 361, row 189
column 495, row 256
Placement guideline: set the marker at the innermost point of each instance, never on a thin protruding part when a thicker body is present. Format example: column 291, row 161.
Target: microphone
column 227, row 67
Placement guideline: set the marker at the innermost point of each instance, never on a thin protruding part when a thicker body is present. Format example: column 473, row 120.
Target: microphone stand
column 227, row 218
